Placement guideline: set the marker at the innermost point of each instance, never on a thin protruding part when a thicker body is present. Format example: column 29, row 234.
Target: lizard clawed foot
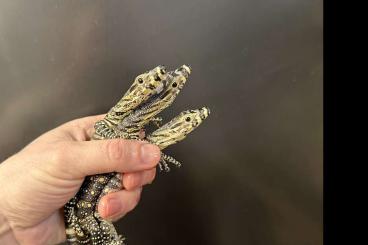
column 163, row 164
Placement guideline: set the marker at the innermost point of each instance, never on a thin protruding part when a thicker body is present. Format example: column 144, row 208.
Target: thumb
column 102, row 156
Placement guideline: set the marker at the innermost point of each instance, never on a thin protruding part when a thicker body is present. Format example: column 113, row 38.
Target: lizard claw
column 163, row 164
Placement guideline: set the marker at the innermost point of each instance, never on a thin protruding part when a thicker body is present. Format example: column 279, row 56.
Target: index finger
column 82, row 129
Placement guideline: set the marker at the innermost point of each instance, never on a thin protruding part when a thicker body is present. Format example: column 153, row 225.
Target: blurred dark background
column 252, row 173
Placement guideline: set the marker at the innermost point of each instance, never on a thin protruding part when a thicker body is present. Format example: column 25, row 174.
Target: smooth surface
column 252, row 174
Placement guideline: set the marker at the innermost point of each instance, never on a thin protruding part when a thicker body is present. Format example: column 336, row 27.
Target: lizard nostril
column 157, row 78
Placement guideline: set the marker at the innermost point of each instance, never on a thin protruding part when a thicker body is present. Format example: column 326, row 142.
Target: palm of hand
column 36, row 182
column 33, row 177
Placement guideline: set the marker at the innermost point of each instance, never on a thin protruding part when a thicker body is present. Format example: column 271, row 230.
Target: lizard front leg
column 74, row 233
column 165, row 159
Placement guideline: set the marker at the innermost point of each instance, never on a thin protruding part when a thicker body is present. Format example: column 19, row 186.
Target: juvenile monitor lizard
column 150, row 93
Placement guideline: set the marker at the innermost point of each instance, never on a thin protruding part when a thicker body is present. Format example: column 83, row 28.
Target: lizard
column 129, row 125
column 144, row 86
column 156, row 89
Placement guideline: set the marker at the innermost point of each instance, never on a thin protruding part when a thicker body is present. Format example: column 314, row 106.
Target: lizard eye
column 187, row 119
column 174, row 85
column 162, row 71
column 157, row 78
column 140, row 80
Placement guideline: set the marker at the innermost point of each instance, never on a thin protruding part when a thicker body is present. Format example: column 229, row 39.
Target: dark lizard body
column 150, row 93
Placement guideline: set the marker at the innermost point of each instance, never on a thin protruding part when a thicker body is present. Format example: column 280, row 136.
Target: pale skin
column 36, row 182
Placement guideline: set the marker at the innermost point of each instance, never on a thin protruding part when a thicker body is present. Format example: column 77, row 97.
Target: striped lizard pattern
column 150, row 93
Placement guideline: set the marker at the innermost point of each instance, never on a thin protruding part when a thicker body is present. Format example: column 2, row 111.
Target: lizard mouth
column 187, row 68
column 204, row 112
column 184, row 70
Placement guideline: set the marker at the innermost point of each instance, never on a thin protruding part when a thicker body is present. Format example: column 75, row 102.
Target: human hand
column 36, row 182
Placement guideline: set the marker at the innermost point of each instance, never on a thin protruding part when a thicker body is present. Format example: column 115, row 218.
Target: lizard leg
column 109, row 234
column 164, row 161
column 90, row 226
column 89, row 193
column 163, row 165
column 97, row 228
column 82, row 215
column 103, row 131
column 114, row 184
column 74, row 233
column 70, row 223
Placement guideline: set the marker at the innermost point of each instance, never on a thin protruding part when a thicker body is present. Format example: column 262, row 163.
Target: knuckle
column 129, row 180
column 115, row 150
column 134, row 181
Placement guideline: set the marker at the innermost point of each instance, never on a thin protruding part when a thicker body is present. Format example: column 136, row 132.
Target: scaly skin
column 144, row 87
column 80, row 228
column 146, row 112
column 133, row 124
column 150, row 93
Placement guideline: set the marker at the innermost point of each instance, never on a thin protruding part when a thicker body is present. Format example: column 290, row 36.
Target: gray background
column 252, row 173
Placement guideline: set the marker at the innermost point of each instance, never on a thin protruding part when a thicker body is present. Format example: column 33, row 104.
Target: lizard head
column 190, row 120
column 180, row 76
column 143, row 114
column 175, row 83
column 183, row 71
column 144, row 86
column 178, row 128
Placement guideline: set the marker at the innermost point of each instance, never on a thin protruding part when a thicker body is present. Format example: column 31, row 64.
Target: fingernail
column 113, row 207
column 150, row 153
